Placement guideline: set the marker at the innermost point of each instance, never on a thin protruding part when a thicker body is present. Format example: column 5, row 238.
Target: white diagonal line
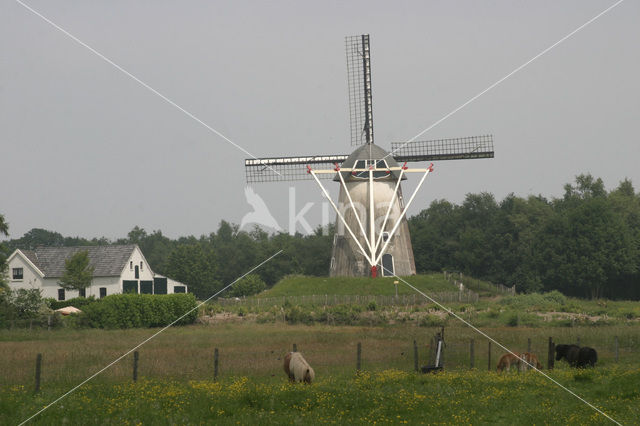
column 147, row 339
column 137, row 80
column 477, row 330
column 507, row 76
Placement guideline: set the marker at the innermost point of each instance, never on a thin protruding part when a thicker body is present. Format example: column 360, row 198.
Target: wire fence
column 464, row 296
column 365, row 352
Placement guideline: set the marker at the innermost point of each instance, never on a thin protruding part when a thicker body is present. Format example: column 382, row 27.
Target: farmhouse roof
column 107, row 261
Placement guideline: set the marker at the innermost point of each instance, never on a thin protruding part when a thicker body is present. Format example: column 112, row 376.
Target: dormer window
column 17, row 273
column 381, row 169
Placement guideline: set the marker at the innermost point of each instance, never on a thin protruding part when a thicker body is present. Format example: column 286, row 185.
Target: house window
column 61, row 294
column 179, row 289
column 103, row 292
column 17, row 273
column 385, row 236
column 137, row 272
column 131, row 265
column 82, row 292
column 141, row 265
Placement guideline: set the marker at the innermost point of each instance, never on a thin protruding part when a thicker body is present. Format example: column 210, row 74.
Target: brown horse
column 522, row 361
column 507, row 360
column 530, row 359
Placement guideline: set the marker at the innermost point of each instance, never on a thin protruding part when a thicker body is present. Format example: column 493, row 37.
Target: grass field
column 297, row 285
column 389, row 396
column 176, row 373
column 176, row 376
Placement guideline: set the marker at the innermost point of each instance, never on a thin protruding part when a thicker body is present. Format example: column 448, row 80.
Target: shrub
column 140, row 310
column 372, row 306
column 249, row 285
column 296, row 314
column 555, row 296
column 77, row 302
column 432, row 321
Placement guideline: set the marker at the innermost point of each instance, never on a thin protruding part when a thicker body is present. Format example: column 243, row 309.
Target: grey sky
column 87, row 151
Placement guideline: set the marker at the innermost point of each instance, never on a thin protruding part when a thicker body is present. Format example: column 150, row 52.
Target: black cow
column 577, row 356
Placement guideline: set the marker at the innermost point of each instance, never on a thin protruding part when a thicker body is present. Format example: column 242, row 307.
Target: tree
column 251, row 284
column 4, row 226
column 4, row 230
column 77, row 272
column 195, row 265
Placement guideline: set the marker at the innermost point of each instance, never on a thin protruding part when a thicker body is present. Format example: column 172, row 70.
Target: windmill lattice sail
column 444, row 149
column 282, row 169
column 359, row 81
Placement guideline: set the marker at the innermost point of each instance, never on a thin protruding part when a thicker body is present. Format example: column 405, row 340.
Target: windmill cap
column 368, row 152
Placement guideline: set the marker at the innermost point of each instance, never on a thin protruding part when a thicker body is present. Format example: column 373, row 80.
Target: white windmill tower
column 372, row 233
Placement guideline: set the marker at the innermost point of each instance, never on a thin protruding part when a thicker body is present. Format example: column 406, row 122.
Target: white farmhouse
column 117, row 269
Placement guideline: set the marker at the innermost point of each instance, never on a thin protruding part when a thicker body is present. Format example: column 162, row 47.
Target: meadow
column 176, row 383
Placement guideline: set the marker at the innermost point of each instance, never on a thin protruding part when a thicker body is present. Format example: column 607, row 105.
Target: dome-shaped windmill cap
column 368, row 152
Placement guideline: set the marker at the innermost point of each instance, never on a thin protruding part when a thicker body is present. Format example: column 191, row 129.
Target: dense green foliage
column 76, row 302
column 249, row 285
column 19, row 304
column 585, row 244
column 139, row 310
column 77, row 272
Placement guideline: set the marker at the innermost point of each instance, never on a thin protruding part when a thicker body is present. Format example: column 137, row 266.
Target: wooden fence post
column 415, row 355
column 472, row 357
column 359, row 358
column 489, row 356
column 38, row 371
column 215, row 364
column 529, row 344
column 551, row 354
column 616, row 347
column 136, row 356
column 295, row 348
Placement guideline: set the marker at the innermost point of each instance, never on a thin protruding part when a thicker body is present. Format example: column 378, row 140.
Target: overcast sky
column 86, row 150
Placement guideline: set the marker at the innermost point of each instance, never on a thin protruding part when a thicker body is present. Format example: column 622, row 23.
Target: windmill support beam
column 372, row 255
column 355, row 212
column 404, row 212
column 328, row 197
column 386, row 216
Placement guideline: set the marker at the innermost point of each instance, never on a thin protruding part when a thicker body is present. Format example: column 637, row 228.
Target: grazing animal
column 576, row 356
column 297, row 368
column 530, row 359
column 507, row 360
column 287, row 370
column 587, row 357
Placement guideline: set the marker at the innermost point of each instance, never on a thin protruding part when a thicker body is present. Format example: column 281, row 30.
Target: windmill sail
column 278, row 169
column 444, row 149
column 359, row 78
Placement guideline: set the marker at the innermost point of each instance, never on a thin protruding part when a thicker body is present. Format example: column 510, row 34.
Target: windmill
column 371, row 226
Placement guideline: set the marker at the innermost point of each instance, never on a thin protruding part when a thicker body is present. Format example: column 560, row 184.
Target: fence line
column 465, row 296
column 458, row 280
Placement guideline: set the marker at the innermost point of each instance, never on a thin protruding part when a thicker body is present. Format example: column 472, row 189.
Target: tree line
column 586, row 244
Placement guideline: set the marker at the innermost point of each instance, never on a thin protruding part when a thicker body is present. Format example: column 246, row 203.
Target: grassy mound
column 300, row 285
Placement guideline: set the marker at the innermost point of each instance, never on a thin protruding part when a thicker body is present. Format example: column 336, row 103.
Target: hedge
column 140, row 310
column 76, row 302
